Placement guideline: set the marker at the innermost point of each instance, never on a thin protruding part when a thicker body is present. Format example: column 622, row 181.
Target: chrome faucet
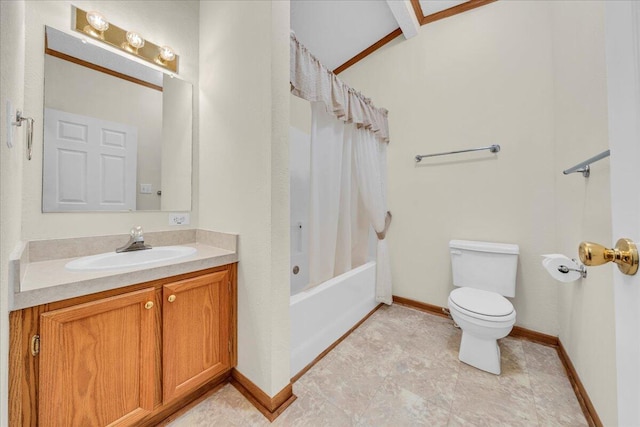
column 136, row 241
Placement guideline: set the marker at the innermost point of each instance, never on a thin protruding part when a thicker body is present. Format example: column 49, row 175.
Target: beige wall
column 529, row 76
column 163, row 22
column 300, row 114
column 11, row 162
column 244, row 109
column 583, row 208
column 480, row 78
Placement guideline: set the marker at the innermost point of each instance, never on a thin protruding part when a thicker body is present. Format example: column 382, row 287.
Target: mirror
column 117, row 133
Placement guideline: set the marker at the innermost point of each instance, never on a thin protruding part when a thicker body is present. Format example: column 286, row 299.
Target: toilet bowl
column 484, row 273
column 484, row 317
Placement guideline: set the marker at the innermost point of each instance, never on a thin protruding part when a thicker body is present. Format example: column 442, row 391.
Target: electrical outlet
column 146, row 189
column 178, row 219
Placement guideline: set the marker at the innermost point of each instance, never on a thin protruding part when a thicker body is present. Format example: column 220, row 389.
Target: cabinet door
column 97, row 361
column 195, row 332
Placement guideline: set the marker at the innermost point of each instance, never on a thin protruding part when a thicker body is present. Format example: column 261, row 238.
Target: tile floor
column 401, row 368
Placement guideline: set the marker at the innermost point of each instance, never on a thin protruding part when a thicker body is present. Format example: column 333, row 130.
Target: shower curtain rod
column 493, row 148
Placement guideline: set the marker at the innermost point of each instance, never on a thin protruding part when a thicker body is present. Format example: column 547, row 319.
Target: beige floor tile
column 312, row 410
column 542, row 359
column 503, row 404
column 226, row 407
column 401, row 368
column 344, row 383
column 373, row 351
column 555, row 401
column 395, row 405
column 426, row 377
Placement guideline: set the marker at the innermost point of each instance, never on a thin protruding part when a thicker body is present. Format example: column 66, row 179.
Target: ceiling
column 340, row 32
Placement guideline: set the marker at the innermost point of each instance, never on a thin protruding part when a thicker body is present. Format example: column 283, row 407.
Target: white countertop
column 48, row 281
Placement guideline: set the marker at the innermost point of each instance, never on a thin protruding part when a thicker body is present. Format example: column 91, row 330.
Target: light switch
column 146, row 189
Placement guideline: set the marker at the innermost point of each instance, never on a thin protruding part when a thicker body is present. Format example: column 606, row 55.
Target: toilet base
column 480, row 353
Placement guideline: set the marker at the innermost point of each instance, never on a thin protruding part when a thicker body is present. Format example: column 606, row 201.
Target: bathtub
column 323, row 314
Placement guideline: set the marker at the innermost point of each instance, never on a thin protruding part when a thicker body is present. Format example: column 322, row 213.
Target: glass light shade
column 97, row 21
column 167, row 54
column 135, row 40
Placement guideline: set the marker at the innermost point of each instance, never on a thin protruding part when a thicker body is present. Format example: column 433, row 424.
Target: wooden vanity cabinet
column 96, row 362
column 130, row 356
column 195, row 332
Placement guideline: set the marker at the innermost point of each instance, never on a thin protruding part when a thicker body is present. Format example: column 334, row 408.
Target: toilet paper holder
column 582, row 270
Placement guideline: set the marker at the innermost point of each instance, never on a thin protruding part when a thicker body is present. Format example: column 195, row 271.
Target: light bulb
column 167, row 54
column 97, row 21
column 135, row 40
column 133, row 43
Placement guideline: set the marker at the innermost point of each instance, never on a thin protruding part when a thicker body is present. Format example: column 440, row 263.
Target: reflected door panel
column 89, row 163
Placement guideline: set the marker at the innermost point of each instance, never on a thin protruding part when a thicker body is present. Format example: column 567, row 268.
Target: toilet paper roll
column 552, row 263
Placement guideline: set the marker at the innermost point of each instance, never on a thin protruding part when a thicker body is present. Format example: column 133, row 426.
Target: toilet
column 484, row 274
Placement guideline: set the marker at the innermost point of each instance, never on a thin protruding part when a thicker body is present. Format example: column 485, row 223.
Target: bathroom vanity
column 133, row 344
column 129, row 355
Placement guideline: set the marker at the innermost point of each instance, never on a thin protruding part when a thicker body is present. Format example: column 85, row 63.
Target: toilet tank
column 484, row 265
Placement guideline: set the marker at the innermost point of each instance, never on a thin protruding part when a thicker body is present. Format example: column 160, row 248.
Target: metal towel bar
column 493, row 148
column 583, row 167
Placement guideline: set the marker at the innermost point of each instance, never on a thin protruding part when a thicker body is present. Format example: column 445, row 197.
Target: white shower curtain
column 330, row 201
column 347, row 194
column 370, row 158
column 348, row 173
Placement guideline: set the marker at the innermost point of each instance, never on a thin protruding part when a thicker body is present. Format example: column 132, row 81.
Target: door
column 622, row 26
column 97, row 362
column 195, row 332
column 89, row 164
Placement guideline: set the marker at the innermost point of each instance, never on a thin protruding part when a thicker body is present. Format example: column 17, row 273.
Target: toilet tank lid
column 503, row 248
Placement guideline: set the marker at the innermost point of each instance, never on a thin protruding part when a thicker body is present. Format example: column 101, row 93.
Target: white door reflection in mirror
column 89, row 163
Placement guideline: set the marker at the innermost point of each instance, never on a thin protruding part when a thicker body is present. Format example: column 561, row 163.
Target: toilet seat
column 481, row 304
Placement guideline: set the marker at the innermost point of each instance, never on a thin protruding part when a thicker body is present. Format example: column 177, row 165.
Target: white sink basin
column 113, row 260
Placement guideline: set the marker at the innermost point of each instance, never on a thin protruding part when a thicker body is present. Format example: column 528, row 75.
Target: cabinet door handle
column 171, row 298
column 148, row 305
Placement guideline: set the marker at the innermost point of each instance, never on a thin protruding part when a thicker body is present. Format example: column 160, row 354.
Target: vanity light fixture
column 93, row 24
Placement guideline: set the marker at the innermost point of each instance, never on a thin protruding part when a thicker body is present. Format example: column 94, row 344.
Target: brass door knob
column 625, row 254
column 148, row 305
column 171, row 298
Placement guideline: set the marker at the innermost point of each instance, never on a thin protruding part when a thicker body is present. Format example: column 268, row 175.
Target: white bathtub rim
column 329, row 283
